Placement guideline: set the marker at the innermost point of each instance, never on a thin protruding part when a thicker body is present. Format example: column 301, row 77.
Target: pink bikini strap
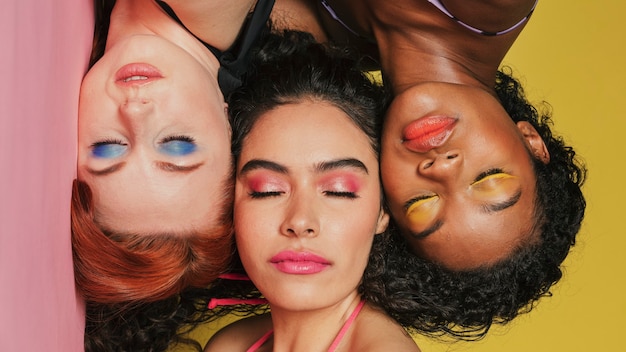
column 214, row 302
column 260, row 341
column 234, row 276
column 346, row 326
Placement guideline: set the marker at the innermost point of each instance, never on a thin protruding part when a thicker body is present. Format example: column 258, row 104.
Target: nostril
column 427, row 164
column 452, row 155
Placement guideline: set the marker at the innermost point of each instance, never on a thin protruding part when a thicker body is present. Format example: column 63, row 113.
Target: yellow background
column 572, row 54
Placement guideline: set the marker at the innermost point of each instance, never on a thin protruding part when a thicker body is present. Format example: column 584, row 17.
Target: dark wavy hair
column 291, row 67
column 143, row 326
column 434, row 300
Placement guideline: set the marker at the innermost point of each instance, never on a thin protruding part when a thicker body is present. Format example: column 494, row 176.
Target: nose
column 136, row 108
column 442, row 166
column 301, row 218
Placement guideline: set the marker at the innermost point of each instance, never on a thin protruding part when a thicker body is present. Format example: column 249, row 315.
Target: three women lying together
column 152, row 217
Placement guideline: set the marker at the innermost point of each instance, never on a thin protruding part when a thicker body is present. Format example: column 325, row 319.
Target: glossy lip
column 299, row 263
column 427, row 133
column 137, row 74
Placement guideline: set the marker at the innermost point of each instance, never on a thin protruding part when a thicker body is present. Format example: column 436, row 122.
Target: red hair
column 117, row 268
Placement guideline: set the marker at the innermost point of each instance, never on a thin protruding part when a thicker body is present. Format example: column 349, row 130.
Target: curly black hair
column 434, row 300
column 145, row 326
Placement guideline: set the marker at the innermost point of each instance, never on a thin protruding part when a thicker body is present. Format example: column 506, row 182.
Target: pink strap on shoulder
column 260, row 341
column 346, row 326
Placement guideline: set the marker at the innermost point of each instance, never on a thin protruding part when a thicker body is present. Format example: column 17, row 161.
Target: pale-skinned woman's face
column 154, row 139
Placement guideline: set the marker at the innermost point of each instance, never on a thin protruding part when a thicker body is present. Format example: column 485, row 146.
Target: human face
column 307, row 205
column 458, row 174
column 154, row 138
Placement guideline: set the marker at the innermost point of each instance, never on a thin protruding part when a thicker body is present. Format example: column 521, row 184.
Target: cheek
column 355, row 234
column 397, row 175
column 254, row 226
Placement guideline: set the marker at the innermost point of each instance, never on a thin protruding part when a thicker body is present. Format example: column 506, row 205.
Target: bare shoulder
column 376, row 332
column 240, row 335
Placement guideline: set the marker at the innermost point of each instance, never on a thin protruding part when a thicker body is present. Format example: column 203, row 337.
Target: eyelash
column 488, row 173
column 349, row 195
column 408, row 204
column 260, row 195
column 182, row 138
column 108, row 141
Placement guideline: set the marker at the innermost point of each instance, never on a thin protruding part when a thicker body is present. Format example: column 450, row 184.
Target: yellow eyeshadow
column 494, row 177
column 422, row 211
column 496, row 186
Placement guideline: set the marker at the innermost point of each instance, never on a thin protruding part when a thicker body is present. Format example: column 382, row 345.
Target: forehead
column 304, row 130
column 133, row 202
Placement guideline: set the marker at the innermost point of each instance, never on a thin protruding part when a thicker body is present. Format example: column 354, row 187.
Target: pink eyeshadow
column 265, row 183
column 341, row 181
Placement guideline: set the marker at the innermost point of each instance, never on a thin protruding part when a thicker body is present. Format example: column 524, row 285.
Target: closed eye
column 177, row 145
column 260, row 195
column 109, row 148
column 483, row 175
column 414, row 200
column 349, row 195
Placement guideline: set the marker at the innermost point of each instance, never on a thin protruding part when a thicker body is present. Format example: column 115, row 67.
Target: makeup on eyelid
column 263, row 182
column 497, row 186
column 107, row 150
column 177, row 147
column 493, row 178
column 422, row 211
column 340, row 182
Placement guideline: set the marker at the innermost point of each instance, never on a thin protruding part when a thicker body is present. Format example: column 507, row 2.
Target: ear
column 534, row 141
column 383, row 222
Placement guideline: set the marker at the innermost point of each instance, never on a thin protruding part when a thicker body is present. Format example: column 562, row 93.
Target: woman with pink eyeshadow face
column 308, row 204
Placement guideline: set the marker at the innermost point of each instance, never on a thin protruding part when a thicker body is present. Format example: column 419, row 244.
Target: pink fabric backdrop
column 44, row 47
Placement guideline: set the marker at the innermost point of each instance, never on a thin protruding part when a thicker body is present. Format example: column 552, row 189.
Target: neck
column 407, row 63
column 145, row 17
column 215, row 22
column 307, row 330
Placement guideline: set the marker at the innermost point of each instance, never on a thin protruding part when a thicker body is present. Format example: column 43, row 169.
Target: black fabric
column 234, row 61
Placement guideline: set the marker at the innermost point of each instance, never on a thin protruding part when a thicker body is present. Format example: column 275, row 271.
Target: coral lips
column 137, row 73
column 427, row 133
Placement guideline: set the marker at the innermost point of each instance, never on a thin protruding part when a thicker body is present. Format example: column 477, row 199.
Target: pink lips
column 428, row 132
column 137, row 74
column 299, row 263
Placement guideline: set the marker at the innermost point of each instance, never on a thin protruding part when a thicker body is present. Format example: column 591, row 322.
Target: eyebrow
column 495, row 207
column 341, row 164
column 324, row 166
column 165, row 166
column 423, row 234
column 106, row 171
